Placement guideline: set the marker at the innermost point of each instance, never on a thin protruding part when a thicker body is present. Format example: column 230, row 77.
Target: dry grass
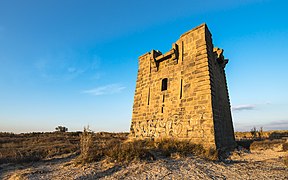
column 125, row 152
column 277, row 145
column 29, row 147
column 94, row 147
column 18, row 148
column 267, row 144
column 114, row 147
column 286, row 160
column 285, row 146
column 274, row 134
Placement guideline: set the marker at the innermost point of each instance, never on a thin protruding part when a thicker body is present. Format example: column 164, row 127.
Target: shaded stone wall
column 175, row 93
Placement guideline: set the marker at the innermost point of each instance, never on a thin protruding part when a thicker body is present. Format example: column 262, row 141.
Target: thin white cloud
column 66, row 66
column 274, row 125
column 107, row 89
column 243, row 107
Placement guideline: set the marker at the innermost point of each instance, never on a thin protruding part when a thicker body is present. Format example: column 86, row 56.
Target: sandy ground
column 267, row 164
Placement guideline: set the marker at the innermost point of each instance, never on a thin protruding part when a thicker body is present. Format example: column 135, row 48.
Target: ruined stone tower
column 183, row 93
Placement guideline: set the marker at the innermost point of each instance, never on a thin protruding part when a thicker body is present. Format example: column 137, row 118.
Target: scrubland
column 88, row 155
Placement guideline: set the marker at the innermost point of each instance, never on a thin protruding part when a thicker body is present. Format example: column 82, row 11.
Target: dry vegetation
column 19, row 148
column 268, row 144
column 72, row 155
column 118, row 149
column 261, row 135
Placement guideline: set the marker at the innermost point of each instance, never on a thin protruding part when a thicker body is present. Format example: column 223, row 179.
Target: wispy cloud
column 107, row 89
column 243, row 107
column 279, row 125
column 66, row 66
column 274, row 125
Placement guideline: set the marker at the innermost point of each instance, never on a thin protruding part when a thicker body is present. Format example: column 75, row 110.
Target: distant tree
column 61, row 129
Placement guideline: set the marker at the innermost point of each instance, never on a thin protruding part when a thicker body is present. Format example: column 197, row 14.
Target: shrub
column 184, row 147
column 149, row 150
column 86, row 145
column 121, row 151
column 266, row 144
column 125, row 152
column 61, row 129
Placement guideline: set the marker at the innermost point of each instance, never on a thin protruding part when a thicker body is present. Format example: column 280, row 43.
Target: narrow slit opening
column 181, row 86
column 148, row 97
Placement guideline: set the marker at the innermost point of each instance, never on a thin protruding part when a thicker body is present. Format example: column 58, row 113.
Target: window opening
column 148, row 96
column 164, row 84
column 181, row 89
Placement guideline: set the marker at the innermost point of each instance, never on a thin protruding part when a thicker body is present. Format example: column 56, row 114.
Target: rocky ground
column 260, row 164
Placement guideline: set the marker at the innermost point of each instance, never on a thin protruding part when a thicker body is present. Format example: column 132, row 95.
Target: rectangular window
column 164, row 84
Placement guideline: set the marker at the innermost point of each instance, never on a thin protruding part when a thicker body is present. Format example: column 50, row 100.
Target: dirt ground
column 260, row 164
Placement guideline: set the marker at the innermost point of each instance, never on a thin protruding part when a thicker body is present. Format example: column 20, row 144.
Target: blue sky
column 74, row 63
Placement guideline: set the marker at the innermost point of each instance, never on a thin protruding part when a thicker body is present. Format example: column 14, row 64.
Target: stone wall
column 183, row 93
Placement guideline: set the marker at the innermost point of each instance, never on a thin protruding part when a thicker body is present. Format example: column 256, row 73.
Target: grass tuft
column 123, row 151
column 266, row 144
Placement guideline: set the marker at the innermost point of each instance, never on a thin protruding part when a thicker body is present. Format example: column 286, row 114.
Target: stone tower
column 183, row 93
